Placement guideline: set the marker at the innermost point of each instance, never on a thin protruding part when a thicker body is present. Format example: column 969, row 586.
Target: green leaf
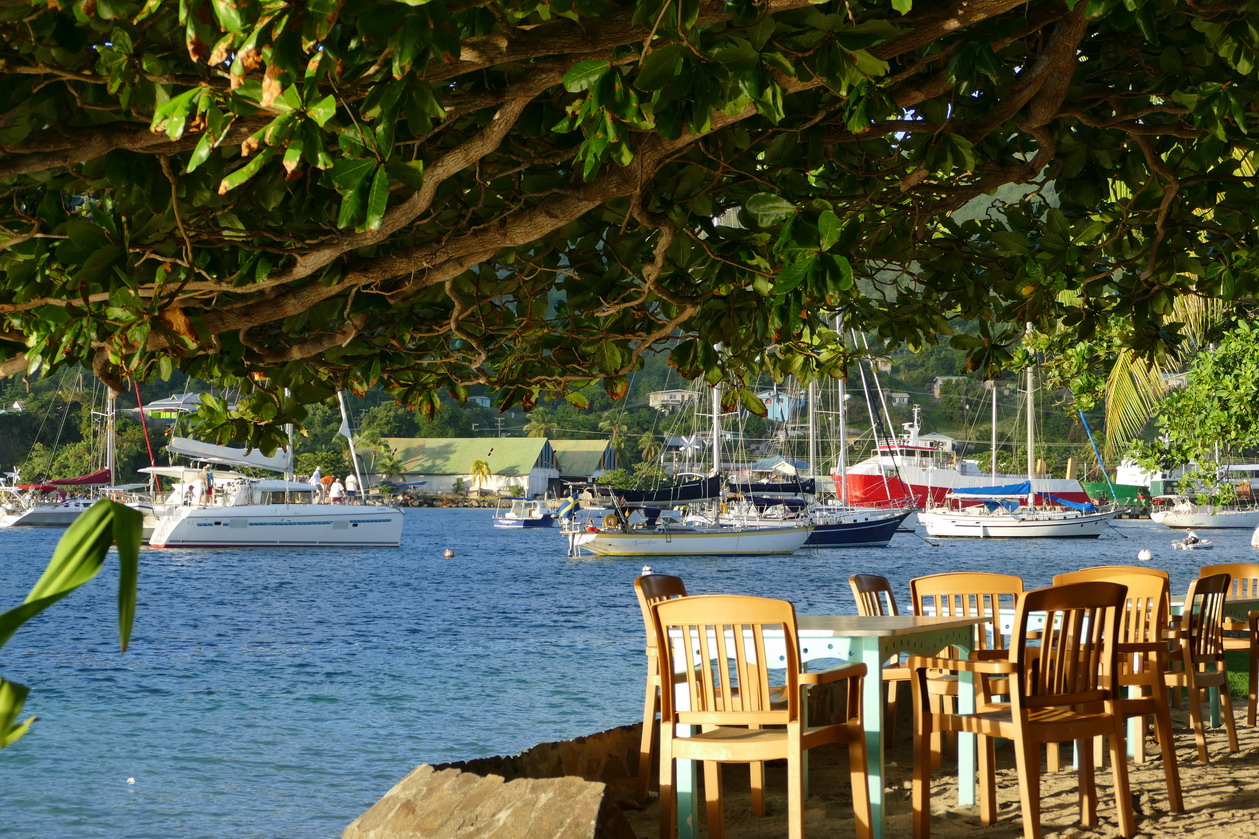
column 767, row 209
column 377, row 200
column 78, row 557
column 789, row 278
column 903, row 6
column 322, row 110
column 660, row 67
column 828, row 228
column 584, row 74
column 577, row 400
column 244, row 173
column 752, row 403
column 12, row 698
column 348, row 173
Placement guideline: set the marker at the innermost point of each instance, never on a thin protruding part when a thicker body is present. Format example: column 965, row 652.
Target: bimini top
column 228, row 456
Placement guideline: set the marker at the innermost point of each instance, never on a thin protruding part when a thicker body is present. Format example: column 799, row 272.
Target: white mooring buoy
column 448, row 553
column 1145, row 555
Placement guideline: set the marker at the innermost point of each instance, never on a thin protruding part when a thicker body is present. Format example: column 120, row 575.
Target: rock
column 452, row 804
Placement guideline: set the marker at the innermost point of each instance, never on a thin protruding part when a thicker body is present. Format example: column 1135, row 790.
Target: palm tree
column 480, row 473
column 615, row 432
column 540, row 424
column 648, row 448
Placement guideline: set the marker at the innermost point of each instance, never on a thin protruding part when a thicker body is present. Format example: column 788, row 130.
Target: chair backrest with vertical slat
column 873, row 595
column 1073, row 659
column 1146, row 607
column 651, row 589
column 1203, row 615
column 1245, row 578
column 1105, row 572
column 968, row 594
column 716, row 642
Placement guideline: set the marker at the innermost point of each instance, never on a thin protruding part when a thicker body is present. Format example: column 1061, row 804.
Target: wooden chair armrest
column 999, row 667
column 1141, row 647
column 833, row 674
column 989, row 655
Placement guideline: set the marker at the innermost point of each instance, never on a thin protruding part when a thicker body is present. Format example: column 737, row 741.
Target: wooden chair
column 1064, row 686
column 1143, row 659
column 1198, row 660
column 966, row 594
column 874, row 597
column 1243, row 635
column 716, row 643
column 651, row 589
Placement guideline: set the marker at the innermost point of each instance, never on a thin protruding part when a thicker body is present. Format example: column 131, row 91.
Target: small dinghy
column 1186, row 545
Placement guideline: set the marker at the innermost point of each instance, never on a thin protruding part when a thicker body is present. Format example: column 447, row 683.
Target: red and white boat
column 920, row 470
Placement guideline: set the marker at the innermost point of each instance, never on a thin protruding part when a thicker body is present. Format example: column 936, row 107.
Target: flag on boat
column 569, row 507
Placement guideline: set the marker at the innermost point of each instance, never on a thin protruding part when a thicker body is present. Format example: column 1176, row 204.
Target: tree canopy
column 531, row 194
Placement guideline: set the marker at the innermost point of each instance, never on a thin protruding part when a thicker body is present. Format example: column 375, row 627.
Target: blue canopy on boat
column 1085, row 507
column 1020, row 490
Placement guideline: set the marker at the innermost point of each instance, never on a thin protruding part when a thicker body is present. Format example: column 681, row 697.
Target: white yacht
column 243, row 511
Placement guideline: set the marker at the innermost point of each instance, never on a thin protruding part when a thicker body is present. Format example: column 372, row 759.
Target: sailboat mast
column 1031, row 412
column 993, row 468
column 813, row 432
column 716, row 429
column 841, row 392
column 111, row 453
column 349, row 438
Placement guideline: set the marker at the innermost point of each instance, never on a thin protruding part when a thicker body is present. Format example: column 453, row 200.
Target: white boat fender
column 1145, row 554
column 646, row 571
column 448, row 553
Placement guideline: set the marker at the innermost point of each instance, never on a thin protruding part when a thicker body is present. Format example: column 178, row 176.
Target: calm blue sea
column 279, row 693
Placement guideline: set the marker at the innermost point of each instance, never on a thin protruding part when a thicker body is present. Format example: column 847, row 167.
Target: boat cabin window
column 290, row 497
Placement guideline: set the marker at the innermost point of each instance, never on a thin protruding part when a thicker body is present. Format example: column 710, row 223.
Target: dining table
column 872, row 640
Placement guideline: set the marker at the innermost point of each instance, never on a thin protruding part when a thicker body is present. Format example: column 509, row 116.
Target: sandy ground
column 1221, row 798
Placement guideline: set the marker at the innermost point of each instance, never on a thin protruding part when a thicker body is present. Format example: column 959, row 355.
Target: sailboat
column 639, row 531
column 243, row 511
column 51, row 504
column 1011, row 511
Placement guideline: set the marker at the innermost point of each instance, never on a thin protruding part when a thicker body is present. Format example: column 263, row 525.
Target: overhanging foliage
column 524, row 194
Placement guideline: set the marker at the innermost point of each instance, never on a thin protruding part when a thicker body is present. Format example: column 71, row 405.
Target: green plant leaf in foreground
column 78, row 558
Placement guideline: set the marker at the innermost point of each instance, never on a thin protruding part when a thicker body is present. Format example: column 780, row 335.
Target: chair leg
column 1087, row 784
column 795, row 796
column 860, row 786
column 757, row 780
column 1252, row 701
column 1027, row 760
column 1230, row 723
column 890, row 716
column 712, row 799
column 923, row 735
column 668, row 799
column 1163, row 725
column 651, row 704
column 1123, row 794
column 1195, row 718
column 987, row 781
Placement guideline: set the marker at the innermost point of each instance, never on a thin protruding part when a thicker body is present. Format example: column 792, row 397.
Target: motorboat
column 1179, row 512
column 1196, row 545
column 522, row 513
column 243, row 511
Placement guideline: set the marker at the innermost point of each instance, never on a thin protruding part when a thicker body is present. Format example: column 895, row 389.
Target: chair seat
column 739, row 745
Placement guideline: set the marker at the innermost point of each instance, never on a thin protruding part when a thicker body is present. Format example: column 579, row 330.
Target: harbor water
column 280, row 693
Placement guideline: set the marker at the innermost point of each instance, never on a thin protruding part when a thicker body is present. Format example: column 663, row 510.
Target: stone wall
column 568, row 790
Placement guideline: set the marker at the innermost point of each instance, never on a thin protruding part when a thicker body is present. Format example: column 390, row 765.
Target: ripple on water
column 281, row 692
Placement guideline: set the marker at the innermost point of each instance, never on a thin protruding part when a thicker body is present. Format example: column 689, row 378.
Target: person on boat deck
column 336, row 492
column 1191, row 538
column 351, row 489
column 198, row 492
column 316, row 480
column 207, row 475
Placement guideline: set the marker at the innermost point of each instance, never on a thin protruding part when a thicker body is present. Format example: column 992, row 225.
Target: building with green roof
column 583, row 460
column 524, row 462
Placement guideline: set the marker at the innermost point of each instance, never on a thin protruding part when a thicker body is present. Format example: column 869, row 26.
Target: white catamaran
column 219, row 508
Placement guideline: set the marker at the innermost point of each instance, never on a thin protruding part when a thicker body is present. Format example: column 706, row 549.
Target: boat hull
column 867, row 531
column 545, row 521
column 682, row 542
column 1207, row 519
column 47, row 515
column 277, row 525
column 1003, row 526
